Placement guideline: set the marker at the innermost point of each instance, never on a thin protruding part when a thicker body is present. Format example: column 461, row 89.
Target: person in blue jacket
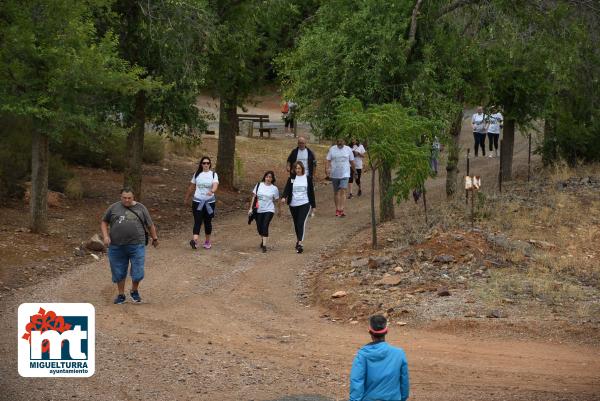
column 379, row 371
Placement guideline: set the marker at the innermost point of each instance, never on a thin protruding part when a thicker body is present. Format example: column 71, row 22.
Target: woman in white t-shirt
column 299, row 193
column 479, row 125
column 203, row 185
column 359, row 154
column 265, row 193
column 495, row 121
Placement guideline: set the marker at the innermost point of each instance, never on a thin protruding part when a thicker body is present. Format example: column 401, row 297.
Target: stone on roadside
column 496, row 314
column 379, row 261
column 96, row 257
column 398, row 269
column 79, row 252
column 358, row 263
column 542, row 244
column 443, row 292
column 444, row 259
column 95, row 244
column 389, row 280
column 339, row 294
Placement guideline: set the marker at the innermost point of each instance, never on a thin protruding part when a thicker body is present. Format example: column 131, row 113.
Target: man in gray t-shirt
column 124, row 227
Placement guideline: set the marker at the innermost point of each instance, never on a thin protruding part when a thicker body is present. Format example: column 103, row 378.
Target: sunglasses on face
column 207, row 163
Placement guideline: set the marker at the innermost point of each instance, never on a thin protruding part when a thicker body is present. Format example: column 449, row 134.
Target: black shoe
column 120, row 299
column 264, row 248
column 299, row 249
column 193, row 244
column 350, row 196
column 135, row 295
column 359, row 192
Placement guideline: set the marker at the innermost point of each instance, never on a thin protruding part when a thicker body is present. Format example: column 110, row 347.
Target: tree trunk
column 135, row 147
column 453, row 153
column 386, row 200
column 373, row 216
column 228, row 125
column 550, row 146
column 508, row 144
column 40, row 160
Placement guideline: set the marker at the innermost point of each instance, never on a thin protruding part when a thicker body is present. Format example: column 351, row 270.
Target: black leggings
column 262, row 223
column 479, row 140
column 300, row 216
column 493, row 141
column 355, row 176
column 202, row 216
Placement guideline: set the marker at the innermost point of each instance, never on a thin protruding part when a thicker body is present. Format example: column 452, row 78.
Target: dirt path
column 226, row 324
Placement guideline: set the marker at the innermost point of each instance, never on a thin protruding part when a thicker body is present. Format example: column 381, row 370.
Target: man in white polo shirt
column 340, row 161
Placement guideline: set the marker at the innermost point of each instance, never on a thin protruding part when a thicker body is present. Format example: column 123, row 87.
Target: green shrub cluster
column 107, row 151
column 104, row 151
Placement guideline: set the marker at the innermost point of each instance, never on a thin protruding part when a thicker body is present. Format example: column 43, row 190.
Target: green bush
column 14, row 171
column 185, row 147
column 15, row 156
column 58, row 174
column 106, row 151
column 154, row 149
column 74, row 189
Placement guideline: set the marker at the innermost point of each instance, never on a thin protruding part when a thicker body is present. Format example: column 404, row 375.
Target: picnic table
column 260, row 119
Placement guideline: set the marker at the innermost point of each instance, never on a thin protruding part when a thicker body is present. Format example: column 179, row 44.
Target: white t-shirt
column 340, row 161
column 358, row 158
column 303, row 157
column 266, row 195
column 299, row 191
column 495, row 121
column 478, row 121
column 204, row 182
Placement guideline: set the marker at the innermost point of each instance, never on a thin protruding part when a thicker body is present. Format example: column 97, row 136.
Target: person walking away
column 302, row 154
column 495, row 124
column 299, row 194
column 203, row 185
column 266, row 193
column 478, row 123
column 340, row 162
column 359, row 154
column 436, row 149
column 291, row 119
column 285, row 109
column 123, row 227
column 379, row 371
column 288, row 111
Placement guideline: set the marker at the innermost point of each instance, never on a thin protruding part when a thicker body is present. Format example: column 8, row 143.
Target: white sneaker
column 491, row 155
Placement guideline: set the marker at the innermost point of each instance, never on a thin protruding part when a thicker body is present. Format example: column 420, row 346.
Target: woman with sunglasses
column 299, row 194
column 203, row 185
column 265, row 193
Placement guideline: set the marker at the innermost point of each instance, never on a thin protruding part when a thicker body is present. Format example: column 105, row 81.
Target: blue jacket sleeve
column 404, row 382
column 357, row 378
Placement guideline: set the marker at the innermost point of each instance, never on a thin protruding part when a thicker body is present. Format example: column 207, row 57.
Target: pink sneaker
column 207, row 245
